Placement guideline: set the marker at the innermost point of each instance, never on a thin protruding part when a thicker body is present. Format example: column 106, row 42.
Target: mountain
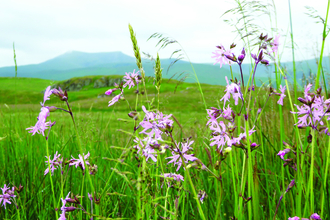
column 78, row 64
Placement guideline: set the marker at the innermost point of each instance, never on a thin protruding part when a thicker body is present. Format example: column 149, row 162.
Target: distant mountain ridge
column 78, row 64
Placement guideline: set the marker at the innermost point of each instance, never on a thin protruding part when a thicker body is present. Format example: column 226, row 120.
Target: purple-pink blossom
column 282, row 95
column 47, row 93
column 7, row 195
column 153, row 123
column 234, row 90
column 282, row 153
column 80, row 162
column 63, row 208
column 115, row 99
column 176, row 177
column 315, row 216
column 110, row 91
column 176, row 152
column 146, row 145
column 294, row 218
column 41, row 124
column 220, row 56
column 275, row 44
column 131, row 79
column 53, row 163
column 312, row 110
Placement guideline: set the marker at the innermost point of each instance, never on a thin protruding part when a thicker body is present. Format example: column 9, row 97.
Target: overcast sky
column 43, row 30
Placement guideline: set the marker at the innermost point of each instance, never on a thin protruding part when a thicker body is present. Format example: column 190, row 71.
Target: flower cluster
column 7, row 195
column 313, row 109
column 41, row 124
column 79, row 162
column 221, row 123
column 130, row 79
column 153, row 125
column 53, row 163
column 178, row 154
column 220, row 55
column 314, row 216
column 234, row 90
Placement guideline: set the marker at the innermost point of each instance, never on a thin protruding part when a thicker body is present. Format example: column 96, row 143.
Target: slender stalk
column 311, row 173
column 293, row 59
column 51, row 179
column 324, row 35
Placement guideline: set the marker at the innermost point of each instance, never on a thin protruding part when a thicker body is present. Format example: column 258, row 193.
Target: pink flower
column 41, row 124
column 131, row 79
column 115, row 99
column 176, row 158
column 294, row 218
column 63, row 208
column 232, row 89
column 110, row 91
column 220, row 57
column 47, row 93
column 282, row 95
column 275, row 44
column 6, row 196
column 282, row 153
column 53, row 163
column 79, row 162
column 146, row 146
column 176, row 177
column 315, row 216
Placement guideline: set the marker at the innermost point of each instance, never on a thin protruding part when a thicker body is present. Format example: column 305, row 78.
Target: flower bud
column 266, row 62
column 70, row 209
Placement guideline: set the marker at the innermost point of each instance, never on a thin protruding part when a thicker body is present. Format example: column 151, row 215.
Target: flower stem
column 50, row 177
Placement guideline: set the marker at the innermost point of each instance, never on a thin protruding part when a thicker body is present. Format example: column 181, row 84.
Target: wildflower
column 90, row 196
column 176, row 177
column 115, row 99
column 241, row 56
column 63, row 208
column 233, row 89
column 110, row 91
column 177, row 153
column 294, row 218
column 147, row 150
column 282, row 153
column 47, row 93
column 155, row 123
column 53, row 163
column 7, row 195
column 282, row 95
column 315, row 216
column 201, row 195
column 63, row 96
column 131, row 79
column 220, row 56
column 312, row 111
column 79, row 162
column 275, row 44
column 41, row 124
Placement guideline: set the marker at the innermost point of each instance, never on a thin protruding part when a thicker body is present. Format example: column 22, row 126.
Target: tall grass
column 246, row 180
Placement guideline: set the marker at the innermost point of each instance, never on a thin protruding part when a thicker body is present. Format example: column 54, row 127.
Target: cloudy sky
column 43, row 30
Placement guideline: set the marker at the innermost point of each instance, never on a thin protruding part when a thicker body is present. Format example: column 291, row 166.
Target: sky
column 42, row 30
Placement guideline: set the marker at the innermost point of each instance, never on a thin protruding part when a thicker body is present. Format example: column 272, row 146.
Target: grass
column 246, row 180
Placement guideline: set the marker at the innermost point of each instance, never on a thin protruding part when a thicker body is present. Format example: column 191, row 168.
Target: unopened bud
column 70, row 209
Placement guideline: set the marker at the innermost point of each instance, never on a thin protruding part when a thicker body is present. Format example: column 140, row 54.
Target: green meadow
column 168, row 148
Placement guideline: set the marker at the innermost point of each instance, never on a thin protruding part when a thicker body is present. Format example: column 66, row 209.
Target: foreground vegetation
column 139, row 150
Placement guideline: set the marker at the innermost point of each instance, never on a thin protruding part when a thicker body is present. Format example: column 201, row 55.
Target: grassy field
column 164, row 150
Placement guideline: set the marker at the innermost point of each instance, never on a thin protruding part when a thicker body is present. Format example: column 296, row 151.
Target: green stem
column 322, row 48
column 50, row 177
